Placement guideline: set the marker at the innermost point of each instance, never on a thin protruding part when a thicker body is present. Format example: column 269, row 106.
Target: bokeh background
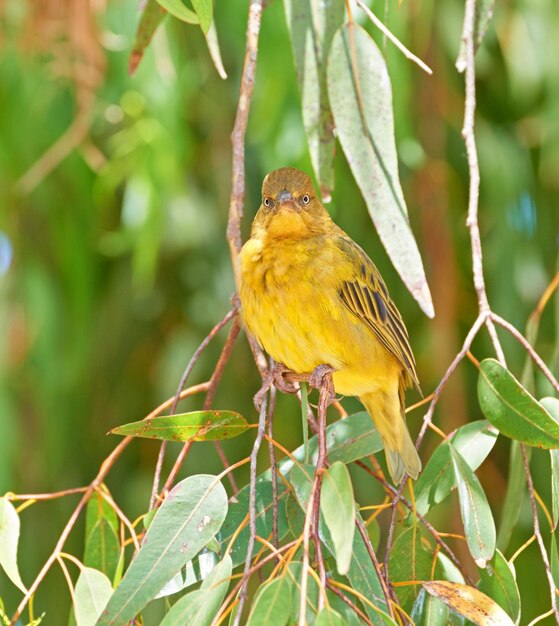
column 114, row 263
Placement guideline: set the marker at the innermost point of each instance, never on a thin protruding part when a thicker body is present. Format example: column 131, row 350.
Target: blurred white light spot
column 6, row 253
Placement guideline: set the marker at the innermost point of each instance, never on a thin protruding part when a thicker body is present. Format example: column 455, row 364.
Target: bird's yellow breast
column 291, row 304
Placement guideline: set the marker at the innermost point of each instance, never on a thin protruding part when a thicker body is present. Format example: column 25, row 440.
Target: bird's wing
column 364, row 293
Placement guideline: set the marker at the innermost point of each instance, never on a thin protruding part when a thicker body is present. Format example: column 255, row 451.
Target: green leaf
column 194, row 426
column 93, row 590
column 189, row 517
column 215, row 53
column 180, row 11
column 152, row 15
column 498, row 581
column 552, row 407
column 9, row 538
column 473, row 441
column 204, row 11
column 311, row 27
column 329, row 617
column 238, row 511
column 361, row 100
column 338, row 509
column 469, row 602
column 514, row 497
column 511, row 409
column 294, row 573
column 102, row 543
column 409, row 561
column 273, row 603
column 199, row 607
column 483, row 15
column 476, row 514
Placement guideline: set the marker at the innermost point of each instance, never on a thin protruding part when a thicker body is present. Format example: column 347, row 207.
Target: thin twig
column 349, row 602
column 273, row 468
column 410, row 55
column 251, row 509
column 184, row 378
column 524, row 343
column 537, row 532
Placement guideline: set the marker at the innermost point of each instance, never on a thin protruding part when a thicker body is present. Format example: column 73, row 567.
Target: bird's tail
column 387, row 412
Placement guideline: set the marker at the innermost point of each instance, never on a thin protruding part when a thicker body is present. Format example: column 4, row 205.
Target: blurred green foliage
column 115, row 266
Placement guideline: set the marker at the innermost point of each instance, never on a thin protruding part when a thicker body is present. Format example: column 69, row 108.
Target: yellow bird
column 311, row 296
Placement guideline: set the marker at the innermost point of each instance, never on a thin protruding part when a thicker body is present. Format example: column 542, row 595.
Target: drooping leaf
column 511, row 409
column 152, row 16
column 361, row 100
column 469, row 602
column 215, row 53
column 473, row 441
column 273, row 604
column 178, row 9
column 194, row 426
column 483, row 15
column 238, row 511
column 102, row 543
column 338, row 509
column 189, row 517
column 429, row 611
column 516, row 491
column 204, row 11
column 329, row 617
column 409, row 561
column 294, row 573
column 498, row 581
column 311, row 27
column 199, row 607
column 93, row 590
column 477, row 518
column 9, row 539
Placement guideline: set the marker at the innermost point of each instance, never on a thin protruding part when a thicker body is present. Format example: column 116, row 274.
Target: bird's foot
column 320, row 378
column 277, row 376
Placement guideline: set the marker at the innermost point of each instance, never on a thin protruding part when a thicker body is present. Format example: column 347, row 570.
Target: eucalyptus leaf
column 194, row 426
column 273, row 603
column 469, row 602
column 214, row 50
column 189, row 517
column 178, row 9
column 329, row 617
column 152, row 16
column 102, row 542
column 477, row 518
column 204, row 11
column 429, row 611
column 93, row 590
column 514, row 496
column 511, row 409
column 361, row 100
column 311, row 27
column 9, row 539
column 498, row 581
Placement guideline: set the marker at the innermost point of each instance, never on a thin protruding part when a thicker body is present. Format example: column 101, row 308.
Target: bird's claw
column 276, row 377
column 321, row 376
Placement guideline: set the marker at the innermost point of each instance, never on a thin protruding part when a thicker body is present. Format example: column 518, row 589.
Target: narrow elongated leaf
column 102, row 543
column 204, row 11
column 194, row 426
column 478, row 521
column 483, row 15
column 409, row 561
column 238, row 511
column 311, row 27
column 93, row 590
column 215, row 53
column 9, row 539
column 516, row 491
column 199, row 607
column 152, row 15
column 469, row 602
column 361, row 101
column 511, row 409
column 498, row 581
column 273, row 603
column 473, row 441
column 329, row 617
column 189, row 517
column 294, row 573
column 429, row 611
column 178, row 9
column 338, row 509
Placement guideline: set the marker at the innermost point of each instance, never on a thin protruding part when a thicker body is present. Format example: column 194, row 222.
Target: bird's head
column 290, row 207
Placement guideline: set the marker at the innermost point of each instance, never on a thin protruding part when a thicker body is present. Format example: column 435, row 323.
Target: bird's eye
column 306, row 199
column 268, row 202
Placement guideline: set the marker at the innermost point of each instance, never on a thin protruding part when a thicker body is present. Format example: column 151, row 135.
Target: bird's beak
column 287, row 201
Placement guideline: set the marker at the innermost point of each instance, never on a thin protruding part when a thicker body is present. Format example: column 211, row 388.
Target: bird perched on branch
column 312, row 297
